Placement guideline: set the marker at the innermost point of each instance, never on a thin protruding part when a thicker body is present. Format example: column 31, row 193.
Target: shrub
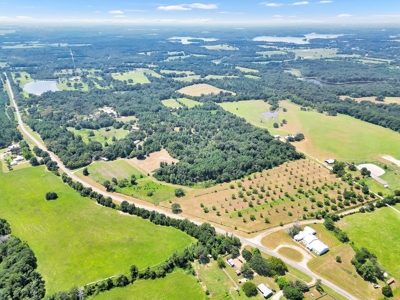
column 179, row 192
column 387, row 291
column 51, row 196
column 176, row 208
column 249, row 289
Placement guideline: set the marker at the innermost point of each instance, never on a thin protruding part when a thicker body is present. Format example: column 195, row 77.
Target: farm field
column 75, row 240
column 388, row 100
column 343, row 274
column 135, row 76
column 100, row 135
column 145, row 189
column 177, row 285
column 64, row 87
column 318, row 53
column 152, row 162
column 150, row 73
column 189, row 78
column 247, row 70
column 202, row 88
column 378, row 232
column 269, row 53
column 324, row 135
column 188, row 102
column 172, row 103
column 221, row 47
column 219, row 77
column 294, row 190
column 251, row 76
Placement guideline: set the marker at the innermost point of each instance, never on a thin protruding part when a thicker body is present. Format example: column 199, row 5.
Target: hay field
column 152, row 162
column 135, row 76
column 172, row 103
column 188, row 102
column 388, row 100
column 202, row 88
column 324, row 135
column 75, row 240
column 291, row 191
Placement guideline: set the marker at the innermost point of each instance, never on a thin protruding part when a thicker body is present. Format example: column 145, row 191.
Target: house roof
column 319, row 247
column 264, row 290
column 309, row 238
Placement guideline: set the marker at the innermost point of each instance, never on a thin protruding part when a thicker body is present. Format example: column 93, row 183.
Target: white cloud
column 119, row 16
column 24, row 18
column 96, row 12
column 203, row 6
column 277, row 16
column 116, row 12
column 325, row 1
column 182, row 7
column 301, row 3
column 134, row 10
column 231, row 13
column 344, row 16
column 271, row 4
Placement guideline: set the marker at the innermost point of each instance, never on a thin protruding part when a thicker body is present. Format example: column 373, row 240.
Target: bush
column 387, row 291
column 249, row 289
column 338, row 259
column 176, row 208
column 51, row 196
column 179, row 192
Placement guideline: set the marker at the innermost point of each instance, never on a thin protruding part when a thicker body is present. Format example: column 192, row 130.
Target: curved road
column 245, row 241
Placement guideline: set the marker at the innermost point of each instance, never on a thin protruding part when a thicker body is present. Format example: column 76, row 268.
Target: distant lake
column 296, row 40
column 40, row 87
column 185, row 39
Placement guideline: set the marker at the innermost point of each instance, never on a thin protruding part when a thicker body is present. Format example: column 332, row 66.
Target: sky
column 280, row 12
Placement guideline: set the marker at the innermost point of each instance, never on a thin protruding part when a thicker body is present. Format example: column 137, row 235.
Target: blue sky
column 219, row 11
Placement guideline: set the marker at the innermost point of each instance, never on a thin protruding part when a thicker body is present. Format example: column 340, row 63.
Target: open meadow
column 132, row 77
column 247, row 70
column 101, row 135
column 294, row 190
column 23, row 79
column 202, row 88
column 171, row 103
column 177, row 285
column 318, row 53
column 221, row 47
column 325, row 136
column 75, row 240
column 379, row 233
column 388, row 100
column 188, row 102
column 72, row 86
column 146, row 188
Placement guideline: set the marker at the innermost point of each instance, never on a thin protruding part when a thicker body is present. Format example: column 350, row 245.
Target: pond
column 296, row 40
column 40, row 87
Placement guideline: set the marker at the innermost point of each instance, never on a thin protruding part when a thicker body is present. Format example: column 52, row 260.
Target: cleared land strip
column 120, row 199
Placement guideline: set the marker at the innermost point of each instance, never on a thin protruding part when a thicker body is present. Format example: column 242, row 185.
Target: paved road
column 120, row 199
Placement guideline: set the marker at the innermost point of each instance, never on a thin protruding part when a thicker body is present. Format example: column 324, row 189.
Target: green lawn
column 251, row 76
column 21, row 81
column 189, row 78
column 174, row 286
column 100, row 135
column 75, row 240
column 137, row 77
column 102, row 171
column 189, row 103
column 64, row 87
column 172, row 103
column 247, row 70
column 379, row 233
column 341, row 137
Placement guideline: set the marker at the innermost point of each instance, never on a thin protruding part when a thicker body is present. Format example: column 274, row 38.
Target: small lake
column 185, row 39
column 296, row 40
column 40, row 87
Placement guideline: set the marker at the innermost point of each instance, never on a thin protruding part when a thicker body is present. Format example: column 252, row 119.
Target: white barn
column 266, row 292
column 318, row 247
column 307, row 236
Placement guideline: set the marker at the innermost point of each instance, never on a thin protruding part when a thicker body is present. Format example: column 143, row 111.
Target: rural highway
column 254, row 243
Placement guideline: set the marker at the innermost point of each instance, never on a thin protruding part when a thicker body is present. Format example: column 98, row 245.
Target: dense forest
column 9, row 132
column 18, row 276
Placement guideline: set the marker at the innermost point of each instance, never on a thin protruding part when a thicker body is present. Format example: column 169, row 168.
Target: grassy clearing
column 221, row 47
column 388, row 100
column 188, row 102
column 318, row 53
column 202, row 88
column 127, row 119
column 292, row 254
column 188, row 73
column 100, row 135
column 379, row 233
column 81, row 86
column 295, row 72
column 134, row 76
column 189, row 78
column 251, row 76
column 277, row 238
column 219, row 77
column 269, row 53
column 22, row 80
column 177, row 285
column 172, row 103
column 120, row 169
column 343, row 274
column 247, row 70
column 273, row 194
column 75, row 240
column 325, row 136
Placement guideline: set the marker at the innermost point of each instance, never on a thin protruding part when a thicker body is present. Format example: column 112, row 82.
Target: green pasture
column 269, row 53
column 172, row 103
column 177, row 72
column 137, row 77
column 341, row 137
column 379, row 233
column 100, row 135
column 219, row 76
column 75, row 240
column 189, row 78
column 252, row 76
column 177, row 285
column 247, row 70
column 318, row 53
column 145, row 189
column 188, row 102
column 64, row 87
column 21, row 81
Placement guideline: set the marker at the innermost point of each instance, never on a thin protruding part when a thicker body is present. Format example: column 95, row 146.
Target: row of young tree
column 19, row 278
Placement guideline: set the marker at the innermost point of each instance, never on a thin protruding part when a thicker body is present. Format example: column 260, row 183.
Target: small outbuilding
column 266, row 292
column 238, row 273
column 242, row 280
column 390, row 281
column 318, row 247
column 230, row 262
column 330, row 161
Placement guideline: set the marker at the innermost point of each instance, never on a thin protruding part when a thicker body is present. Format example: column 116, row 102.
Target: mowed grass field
column 342, row 137
column 388, row 100
column 75, row 240
column 378, row 232
column 188, row 102
column 100, row 135
column 172, row 103
column 137, row 77
column 174, row 286
column 101, row 171
column 202, row 88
